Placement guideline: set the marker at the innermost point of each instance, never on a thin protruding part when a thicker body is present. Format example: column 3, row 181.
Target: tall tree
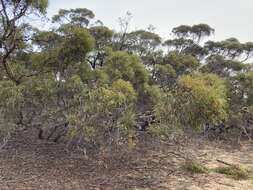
column 13, row 28
column 78, row 16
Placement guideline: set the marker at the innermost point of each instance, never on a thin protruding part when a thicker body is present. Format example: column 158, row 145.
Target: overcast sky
column 230, row 18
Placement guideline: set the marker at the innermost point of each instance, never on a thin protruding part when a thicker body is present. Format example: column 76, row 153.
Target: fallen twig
column 225, row 163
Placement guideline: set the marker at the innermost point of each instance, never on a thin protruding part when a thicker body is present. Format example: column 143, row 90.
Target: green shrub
column 235, row 172
column 201, row 99
column 195, row 167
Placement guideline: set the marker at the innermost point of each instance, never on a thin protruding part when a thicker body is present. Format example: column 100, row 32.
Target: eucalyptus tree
column 186, row 46
column 182, row 63
column 225, row 68
column 142, row 42
column 79, row 16
column 13, row 29
column 103, row 40
column 230, row 48
column 195, row 32
column 14, row 43
column 187, row 40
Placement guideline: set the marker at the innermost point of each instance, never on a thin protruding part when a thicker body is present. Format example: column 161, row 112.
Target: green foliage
column 165, row 113
column 182, row 63
column 109, row 109
column 224, row 68
column 164, row 75
column 10, row 94
column 47, row 39
column 142, row 42
column 149, row 96
column 42, row 89
column 72, row 80
column 202, row 99
column 246, row 81
column 195, row 167
column 41, row 5
column 235, row 172
column 11, row 98
column 79, row 16
column 182, row 31
column 102, row 35
column 230, row 48
column 120, row 65
column 125, row 88
column 196, row 32
column 119, row 94
column 76, row 45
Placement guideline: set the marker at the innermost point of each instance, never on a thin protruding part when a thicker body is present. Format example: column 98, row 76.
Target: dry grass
column 235, row 171
column 195, row 167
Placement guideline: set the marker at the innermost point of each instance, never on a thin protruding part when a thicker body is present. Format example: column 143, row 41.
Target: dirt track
column 36, row 165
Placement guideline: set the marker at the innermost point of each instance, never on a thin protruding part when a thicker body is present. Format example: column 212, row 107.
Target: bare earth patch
column 36, row 165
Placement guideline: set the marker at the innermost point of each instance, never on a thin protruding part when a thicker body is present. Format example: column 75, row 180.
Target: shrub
column 201, row 99
column 195, row 167
column 235, row 172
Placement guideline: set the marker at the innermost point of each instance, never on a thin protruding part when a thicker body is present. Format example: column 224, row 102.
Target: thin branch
column 225, row 163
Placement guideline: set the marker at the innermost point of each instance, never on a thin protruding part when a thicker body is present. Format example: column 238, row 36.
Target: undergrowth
column 236, row 172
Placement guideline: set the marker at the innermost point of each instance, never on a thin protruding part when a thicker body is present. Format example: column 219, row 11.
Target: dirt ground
column 27, row 164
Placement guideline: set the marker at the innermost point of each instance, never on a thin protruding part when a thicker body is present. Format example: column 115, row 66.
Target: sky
column 229, row 18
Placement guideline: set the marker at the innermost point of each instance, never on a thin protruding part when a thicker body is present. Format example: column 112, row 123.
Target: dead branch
column 225, row 163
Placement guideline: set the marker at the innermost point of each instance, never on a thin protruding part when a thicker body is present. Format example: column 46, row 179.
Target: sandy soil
column 28, row 164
